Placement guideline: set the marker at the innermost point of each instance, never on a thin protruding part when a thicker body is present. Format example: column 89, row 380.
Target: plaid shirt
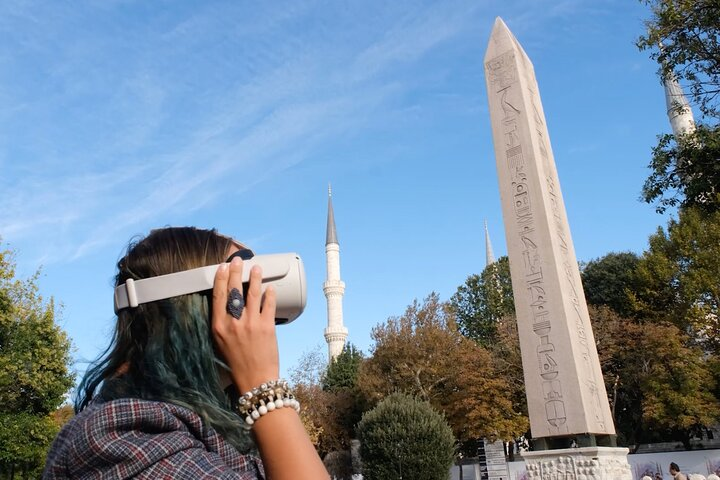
column 132, row 438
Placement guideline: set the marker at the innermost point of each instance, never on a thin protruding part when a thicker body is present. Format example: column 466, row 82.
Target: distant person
column 675, row 472
column 155, row 405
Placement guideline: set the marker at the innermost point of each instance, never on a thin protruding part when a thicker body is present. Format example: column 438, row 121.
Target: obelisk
column 567, row 401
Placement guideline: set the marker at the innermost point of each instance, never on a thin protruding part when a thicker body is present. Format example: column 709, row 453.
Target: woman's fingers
column 229, row 277
column 254, row 294
column 248, row 344
column 267, row 314
column 220, row 294
column 235, row 277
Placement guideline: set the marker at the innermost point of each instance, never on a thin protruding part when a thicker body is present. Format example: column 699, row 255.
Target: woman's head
column 153, row 331
column 163, row 350
column 170, row 250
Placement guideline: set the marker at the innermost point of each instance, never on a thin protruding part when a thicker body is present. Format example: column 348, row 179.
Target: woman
column 154, row 405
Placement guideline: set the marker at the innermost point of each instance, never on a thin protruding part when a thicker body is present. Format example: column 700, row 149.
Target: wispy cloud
column 412, row 36
column 110, row 143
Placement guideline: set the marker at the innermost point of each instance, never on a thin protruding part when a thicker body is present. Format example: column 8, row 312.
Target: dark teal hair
column 163, row 350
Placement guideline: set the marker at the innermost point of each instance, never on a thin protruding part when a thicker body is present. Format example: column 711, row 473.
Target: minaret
column 678, row 108
column 334, row 288
column 489, row 257
column 681, row 120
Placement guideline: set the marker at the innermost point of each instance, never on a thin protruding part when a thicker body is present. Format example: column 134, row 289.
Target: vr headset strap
column 135, row 292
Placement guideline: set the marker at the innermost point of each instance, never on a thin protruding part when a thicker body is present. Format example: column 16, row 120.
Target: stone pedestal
column 586, row 463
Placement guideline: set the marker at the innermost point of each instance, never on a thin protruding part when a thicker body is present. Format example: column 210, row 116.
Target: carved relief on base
column 591, row 463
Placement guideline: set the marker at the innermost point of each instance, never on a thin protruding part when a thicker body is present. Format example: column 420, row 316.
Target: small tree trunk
column 687, row 441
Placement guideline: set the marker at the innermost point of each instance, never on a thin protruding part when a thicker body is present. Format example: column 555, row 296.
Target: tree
column 507, row 362
column 678, row 277
column 332, row 404
column 62, row 415
column 685, row 172
column 683, row 37
column 485, row 311
column 340, row 381
column 342, row 372
column 34, row 374
column 659, row 387
column 403, row 437
column 689, row 32
column 316, row 413
column 422, row 353
column 323, row 415
column 310, row 368
column 483, row 300
column 610, row 280
column 24, row 441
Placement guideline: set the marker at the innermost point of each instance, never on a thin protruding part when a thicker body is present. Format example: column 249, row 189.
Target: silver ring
column 235, row 303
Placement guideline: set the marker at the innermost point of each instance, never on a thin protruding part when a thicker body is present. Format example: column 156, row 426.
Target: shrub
column 403, row 437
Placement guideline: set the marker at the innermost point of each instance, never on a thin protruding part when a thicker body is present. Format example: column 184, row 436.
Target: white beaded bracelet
column 264, row 399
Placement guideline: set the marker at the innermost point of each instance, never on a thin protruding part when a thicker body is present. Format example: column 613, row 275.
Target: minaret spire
column 489, row 257
column 334, row 288
column 678, row 108
column 331, row 236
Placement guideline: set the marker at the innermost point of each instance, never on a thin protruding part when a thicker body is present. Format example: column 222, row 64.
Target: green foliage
column 678, row 277
column 24, row 441
column 34, row 376
column 342, row 372
column 689, row 32
column 610, row 280
column 483, row 300
column 340, row 381
column 405, row 438
column 34, row 354
column 685, row 173
column 661, row 389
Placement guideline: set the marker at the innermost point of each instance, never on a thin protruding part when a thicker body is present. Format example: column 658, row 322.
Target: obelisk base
column 586, row 463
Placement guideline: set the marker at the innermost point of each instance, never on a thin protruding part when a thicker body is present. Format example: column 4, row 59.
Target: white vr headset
column 284, row 271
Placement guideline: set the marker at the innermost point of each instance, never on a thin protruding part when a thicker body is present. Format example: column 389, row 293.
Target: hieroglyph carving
column 504, row 80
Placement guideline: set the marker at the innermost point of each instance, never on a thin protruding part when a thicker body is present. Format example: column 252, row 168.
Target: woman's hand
column 248, row 344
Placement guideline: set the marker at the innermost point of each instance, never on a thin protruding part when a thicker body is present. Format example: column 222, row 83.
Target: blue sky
column 121, row 116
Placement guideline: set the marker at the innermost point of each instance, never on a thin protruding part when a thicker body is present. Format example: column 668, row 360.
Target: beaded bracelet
column 264, row 399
